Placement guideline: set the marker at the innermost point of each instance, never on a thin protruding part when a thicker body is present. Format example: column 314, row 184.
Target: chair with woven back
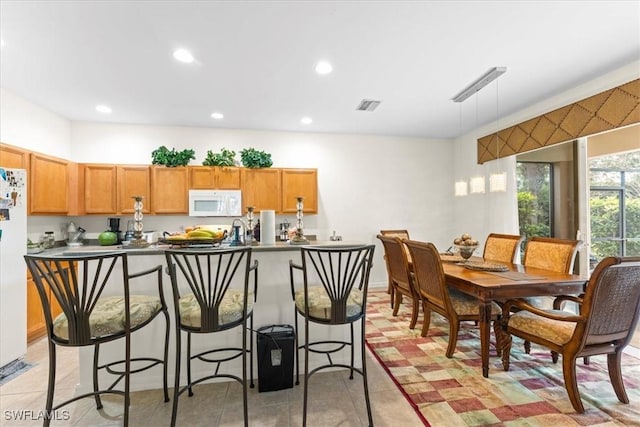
column 402, row 234
column 400, row 276
column 436, row 296
column 606, row 321
column 502, row 247
column 552, row 254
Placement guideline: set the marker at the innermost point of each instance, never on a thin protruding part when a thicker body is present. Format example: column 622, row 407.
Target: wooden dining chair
column 402, row 234
column 436, row 296
column 400, row 277
column 552, row 254
column 604, row 325
column 502, row 248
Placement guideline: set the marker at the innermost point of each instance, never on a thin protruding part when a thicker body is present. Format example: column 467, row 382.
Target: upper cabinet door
column 100, row 183
column 48, row 185
column 133, row 181
column 13, row 157
column 300, row 182
column 170, row 190
column 214, row 177
column 227, row 177
column 261, row 189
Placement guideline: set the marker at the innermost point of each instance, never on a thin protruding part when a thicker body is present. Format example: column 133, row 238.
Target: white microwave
column 215, row 203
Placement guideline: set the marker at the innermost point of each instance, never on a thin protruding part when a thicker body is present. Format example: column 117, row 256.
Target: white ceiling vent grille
column 368, row 105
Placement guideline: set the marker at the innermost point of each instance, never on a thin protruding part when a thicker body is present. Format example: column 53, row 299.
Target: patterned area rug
column 453, row 392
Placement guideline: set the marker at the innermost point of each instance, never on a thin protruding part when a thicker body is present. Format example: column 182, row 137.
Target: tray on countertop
column 191, row 243
column 484, row 266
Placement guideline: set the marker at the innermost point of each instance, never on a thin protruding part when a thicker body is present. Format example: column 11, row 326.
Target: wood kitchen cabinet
column 108, row 189
column 299, row 182
column 100, row 186
column 13, row 157
column 36, row 325
column 214, row 177
column 169, row 190
column 133, row 181
column 49, row 179
column 261, row 188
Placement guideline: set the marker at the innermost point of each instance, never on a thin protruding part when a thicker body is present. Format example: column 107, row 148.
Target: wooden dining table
column 517, row 282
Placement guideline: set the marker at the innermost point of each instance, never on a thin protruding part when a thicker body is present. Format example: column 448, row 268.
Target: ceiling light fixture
column 461, row 188
column 477, row 185
column 217, row 116
column 323, row 67
column 104, row 109
column 306, row 120
column 183, row 55
column 479, row 83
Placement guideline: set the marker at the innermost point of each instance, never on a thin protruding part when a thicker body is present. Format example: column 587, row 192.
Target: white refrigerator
column 13, row 246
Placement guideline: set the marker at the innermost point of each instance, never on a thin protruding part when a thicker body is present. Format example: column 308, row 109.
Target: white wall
column 32, row 127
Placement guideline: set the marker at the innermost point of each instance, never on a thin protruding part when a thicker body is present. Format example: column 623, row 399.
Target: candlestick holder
column 250, row 237
column 138, row 242
column 298, row 238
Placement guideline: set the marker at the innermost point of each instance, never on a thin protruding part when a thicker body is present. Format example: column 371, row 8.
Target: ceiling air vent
column 367, row 105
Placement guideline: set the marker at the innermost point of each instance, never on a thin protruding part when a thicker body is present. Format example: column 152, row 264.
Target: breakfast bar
column 274, row 306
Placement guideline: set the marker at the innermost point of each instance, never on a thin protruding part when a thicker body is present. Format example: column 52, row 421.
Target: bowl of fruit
column 466, row 245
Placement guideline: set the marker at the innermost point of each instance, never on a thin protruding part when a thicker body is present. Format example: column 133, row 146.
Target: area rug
column 453, row 392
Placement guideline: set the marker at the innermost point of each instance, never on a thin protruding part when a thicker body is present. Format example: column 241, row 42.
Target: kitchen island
column 274, row 306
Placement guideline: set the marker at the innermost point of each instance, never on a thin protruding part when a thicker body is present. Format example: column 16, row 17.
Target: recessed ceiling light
column 217, row 116
column 183, row 55
column 103, row 109
column 306, row 120
column 323, row 67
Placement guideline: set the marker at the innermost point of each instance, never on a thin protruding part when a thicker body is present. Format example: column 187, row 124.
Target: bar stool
column 216, row 298
column 98, row 302
column 335, row 282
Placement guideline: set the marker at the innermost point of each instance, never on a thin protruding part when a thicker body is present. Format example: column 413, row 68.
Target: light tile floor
column 334, row 400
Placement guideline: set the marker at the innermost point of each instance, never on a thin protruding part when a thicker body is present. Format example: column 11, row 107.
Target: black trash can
column 276, row 347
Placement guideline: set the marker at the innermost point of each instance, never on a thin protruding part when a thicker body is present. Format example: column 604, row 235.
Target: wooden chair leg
column 615, row 374
column 415, row 310
column 398, row 301
column 569, row 373
column 497, row 331
column 453, row 337
column 505, row 343
column 427, row 319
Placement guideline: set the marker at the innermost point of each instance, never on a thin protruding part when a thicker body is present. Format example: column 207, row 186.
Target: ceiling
column 255, row 60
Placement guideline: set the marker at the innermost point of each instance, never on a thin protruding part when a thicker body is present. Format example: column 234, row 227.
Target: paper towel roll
column 267, row 227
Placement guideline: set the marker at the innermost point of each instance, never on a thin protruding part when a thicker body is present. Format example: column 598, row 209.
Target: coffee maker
column 284, row 231
column 114, row 227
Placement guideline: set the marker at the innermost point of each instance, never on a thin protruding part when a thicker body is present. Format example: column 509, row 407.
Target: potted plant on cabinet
column 252, row 158
column 223, row 158
column 171, row 158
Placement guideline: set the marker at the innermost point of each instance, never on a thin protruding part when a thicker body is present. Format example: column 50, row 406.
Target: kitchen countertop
column 159, row 249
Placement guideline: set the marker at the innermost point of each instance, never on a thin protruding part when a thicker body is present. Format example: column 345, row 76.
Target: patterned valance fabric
column 607, row 110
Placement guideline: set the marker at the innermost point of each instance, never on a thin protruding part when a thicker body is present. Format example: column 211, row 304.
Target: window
column 535, row 207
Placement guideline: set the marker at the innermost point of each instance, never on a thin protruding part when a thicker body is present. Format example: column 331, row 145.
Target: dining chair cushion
column 464, row 304
column 229, row 311
column 555, row 331
column 108, row 317
column 320, row 303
